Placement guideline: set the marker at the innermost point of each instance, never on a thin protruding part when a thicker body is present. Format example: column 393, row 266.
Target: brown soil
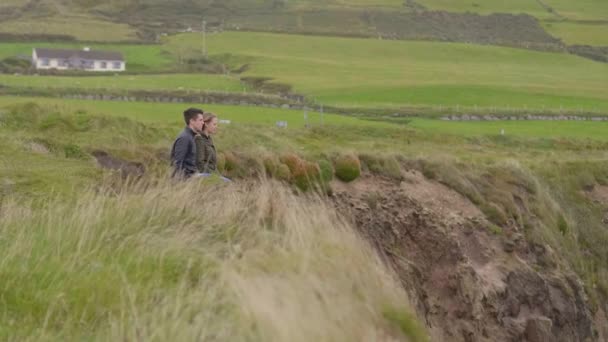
column 467, row 283
column 599, row 194
column 125, row 167
column 37, row 148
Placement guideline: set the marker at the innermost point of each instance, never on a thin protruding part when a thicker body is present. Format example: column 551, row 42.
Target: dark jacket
column 183, row 154
column 206, row 156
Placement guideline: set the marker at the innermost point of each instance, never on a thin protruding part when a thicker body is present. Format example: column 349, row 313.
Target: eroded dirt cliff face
column 468, row 280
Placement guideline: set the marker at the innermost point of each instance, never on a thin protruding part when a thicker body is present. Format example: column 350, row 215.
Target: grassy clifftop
column 251, row 260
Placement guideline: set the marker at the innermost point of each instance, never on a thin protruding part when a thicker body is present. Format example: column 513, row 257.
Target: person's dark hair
column 191, row 113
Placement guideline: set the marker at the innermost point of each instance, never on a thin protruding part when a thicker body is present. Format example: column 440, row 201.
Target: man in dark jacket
column 183, row 153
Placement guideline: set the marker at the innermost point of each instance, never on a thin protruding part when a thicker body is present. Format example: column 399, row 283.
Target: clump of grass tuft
column 283, row 173
column 494, row 213
column 221, row 162
column 271, row 165
column 348, row 167
column 382, row 165
column 303, row 174
column 73, row 151
column 407, row 323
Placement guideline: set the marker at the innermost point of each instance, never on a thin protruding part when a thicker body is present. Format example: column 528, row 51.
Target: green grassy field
column 81, row 27
column 364, row 72
column 530, row 7
column 168, row 82
column 10, row 3
column 579, row 33
column 171, row 113
column 526, row 129
column 165, row 113
column 316, row 4
column 375, row 73
column 581, row 9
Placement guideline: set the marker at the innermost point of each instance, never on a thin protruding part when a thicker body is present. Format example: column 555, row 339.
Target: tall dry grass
column 191, row 262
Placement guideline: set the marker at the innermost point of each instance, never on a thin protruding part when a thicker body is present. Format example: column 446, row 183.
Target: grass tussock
column 192, row 261
column 347, row 167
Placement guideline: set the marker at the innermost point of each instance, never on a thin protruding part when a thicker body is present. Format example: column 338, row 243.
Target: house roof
column 83, row 54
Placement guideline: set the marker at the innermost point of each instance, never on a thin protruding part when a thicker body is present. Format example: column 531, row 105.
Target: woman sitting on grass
column 206, row 155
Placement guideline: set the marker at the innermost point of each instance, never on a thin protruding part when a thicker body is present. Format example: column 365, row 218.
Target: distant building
column 85, row 59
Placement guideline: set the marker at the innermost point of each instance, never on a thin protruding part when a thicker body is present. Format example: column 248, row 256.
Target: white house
column 85, row 59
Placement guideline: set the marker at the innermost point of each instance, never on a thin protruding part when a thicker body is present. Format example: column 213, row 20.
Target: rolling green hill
column 146, row 19
column 359, row 73
column 363, row 72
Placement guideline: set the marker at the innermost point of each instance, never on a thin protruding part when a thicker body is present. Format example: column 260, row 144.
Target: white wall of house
column 109, row 66
column 49, row 63
column 52, row 63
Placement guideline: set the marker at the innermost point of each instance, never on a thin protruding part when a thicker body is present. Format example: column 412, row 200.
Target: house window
column 117, row 65
column 45, row 62
column 104, row 65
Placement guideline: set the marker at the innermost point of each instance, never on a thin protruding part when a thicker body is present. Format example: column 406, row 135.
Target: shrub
column 327, row 171
column 26, row 115
column 385, row 166
column 494, row 213
column 73, row 151
column 221, row 162
column 241, row 166
column 348, row 167
column 283, row 173
column 562, row 225
column 292, row 161
column 306, row 175
column 231, row 164
column 250, row 166
column 271, row 165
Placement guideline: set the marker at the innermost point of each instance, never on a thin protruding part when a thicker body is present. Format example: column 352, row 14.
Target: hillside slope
column 491, row 22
